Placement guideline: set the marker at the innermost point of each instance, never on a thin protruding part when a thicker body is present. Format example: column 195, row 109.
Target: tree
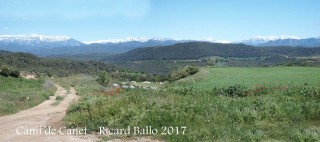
column 210, row 62
column 103, row 78
column 15, row 74
column 7, row 71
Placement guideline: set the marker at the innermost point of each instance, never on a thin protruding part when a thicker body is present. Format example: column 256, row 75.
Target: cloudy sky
column 230, row 20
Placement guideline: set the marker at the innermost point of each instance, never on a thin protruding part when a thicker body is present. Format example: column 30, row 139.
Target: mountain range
column 53, row 45
column 35, row 42
column 198, row 50
column 282, row 41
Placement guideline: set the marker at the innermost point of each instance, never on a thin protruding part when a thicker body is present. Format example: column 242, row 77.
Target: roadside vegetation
column 58, row 100
column 18, row 93
column 240, row 109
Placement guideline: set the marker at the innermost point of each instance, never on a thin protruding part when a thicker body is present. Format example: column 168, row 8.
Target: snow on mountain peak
column 44, row 38
column 128, row 39
column 210, row 39
column 264, row 39
column 271, row 38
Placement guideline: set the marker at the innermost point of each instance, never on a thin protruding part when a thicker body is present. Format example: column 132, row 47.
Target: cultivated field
column 284, row 106
column 250, row 77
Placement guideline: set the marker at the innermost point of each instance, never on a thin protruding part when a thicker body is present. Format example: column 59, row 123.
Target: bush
column 5, row 71
column 103, row 78
column 15, row 74
column 48, row 84
column 184, row 72
column 235, row 91
column 259, row 90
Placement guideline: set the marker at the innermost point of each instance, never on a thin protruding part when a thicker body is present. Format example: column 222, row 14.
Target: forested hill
column 196, row 50
column 59, row 67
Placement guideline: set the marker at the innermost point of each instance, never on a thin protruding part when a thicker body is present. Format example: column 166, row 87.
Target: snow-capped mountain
column 308, row 42
column 154, row 39
column 213, row 40
column 128, row 39
column 282, row 41
column 35, row 41
column 48, row 45
column 258, row 40
column 33, row 37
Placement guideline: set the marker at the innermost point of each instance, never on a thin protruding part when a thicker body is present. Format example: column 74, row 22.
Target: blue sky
column 230, row 20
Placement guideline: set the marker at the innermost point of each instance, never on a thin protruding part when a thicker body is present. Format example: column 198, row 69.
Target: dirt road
column 32, row 124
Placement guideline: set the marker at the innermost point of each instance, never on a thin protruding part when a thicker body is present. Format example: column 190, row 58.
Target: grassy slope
column 276, row 116
column 274, row 76
column 85, row 85
column 18, row 93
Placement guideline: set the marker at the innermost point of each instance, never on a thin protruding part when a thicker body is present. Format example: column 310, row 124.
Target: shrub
column 235, row 91
column 307, row 90
column 259, row 90
column 184, row 72
column 5, row 71
column 15, row 74
column 103, row 78
column 48, row 84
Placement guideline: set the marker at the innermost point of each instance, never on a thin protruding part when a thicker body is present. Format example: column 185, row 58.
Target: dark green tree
column 15, row 74
column 5, row 71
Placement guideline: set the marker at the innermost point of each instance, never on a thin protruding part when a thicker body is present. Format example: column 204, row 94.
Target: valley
column 215, row 92
column 159, row 71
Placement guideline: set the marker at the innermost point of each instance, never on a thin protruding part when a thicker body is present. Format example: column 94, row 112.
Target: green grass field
column 290, row 114
column 18, row 94
column 250, row 77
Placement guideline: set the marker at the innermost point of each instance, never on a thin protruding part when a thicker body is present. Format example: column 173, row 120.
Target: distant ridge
column 198, row 50
column 282, row 41
column 44, row 45
column 30, row 43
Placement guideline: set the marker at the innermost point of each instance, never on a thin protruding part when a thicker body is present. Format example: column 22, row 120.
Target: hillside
column 196, row 50
column 190, row 50
column 60, row 67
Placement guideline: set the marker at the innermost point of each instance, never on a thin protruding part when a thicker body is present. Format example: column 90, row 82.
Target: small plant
column 48, row 84
column 59, row 98
column 259, row 90
column 307, row 90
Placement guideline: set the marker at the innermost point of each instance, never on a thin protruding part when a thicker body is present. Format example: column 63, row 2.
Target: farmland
column 249, row 113
column 250, row 77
